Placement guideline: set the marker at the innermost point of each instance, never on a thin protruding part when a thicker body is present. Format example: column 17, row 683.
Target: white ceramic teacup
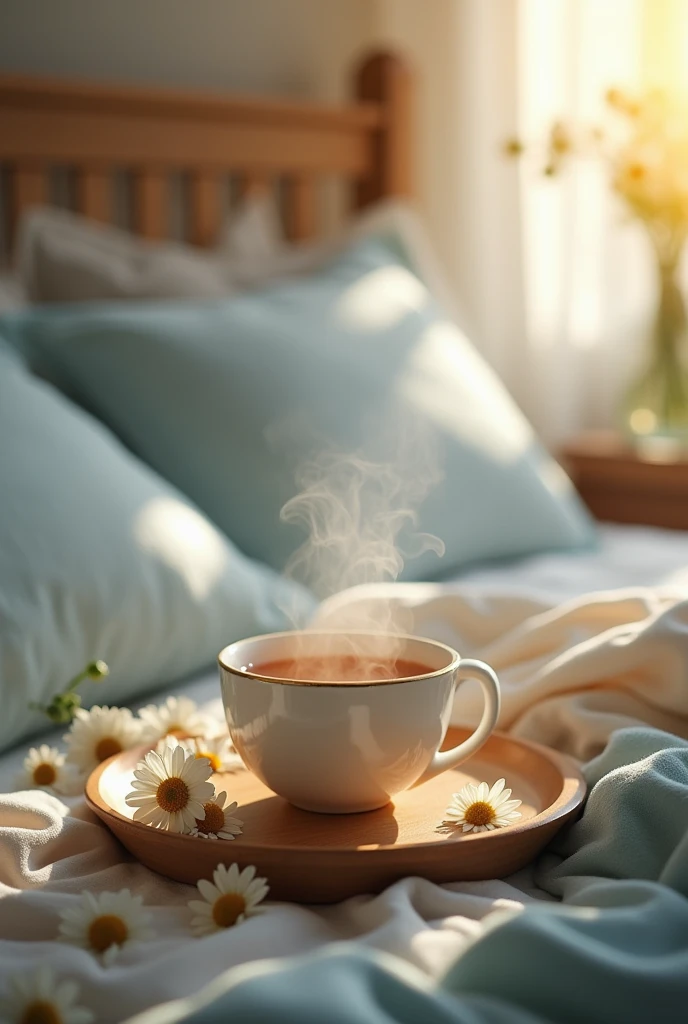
column 347, row 747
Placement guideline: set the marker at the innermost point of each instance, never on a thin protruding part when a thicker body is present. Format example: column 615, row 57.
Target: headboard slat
column 150, row 203
column 94, row 194
column 300, row 207
column 205, row 208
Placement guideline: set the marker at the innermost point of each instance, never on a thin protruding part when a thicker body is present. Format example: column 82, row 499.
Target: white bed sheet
column 627, row 556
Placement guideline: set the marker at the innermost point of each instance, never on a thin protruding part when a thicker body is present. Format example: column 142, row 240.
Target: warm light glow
column 554, row 478
column 381, row 299
column 447, row 379
column 184, row 540
column 569, row 56
column 665, row 44
column 642, row 421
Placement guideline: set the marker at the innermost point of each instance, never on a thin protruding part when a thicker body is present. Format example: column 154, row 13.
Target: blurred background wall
column 292, row 47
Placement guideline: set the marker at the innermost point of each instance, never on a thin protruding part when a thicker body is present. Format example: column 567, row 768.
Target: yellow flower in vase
column 644, row 148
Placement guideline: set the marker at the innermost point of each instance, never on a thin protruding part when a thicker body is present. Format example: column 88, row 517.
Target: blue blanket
column 614, row 949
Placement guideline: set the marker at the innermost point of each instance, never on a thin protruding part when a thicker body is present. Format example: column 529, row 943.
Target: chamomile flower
column 98, row 734
column 38, row 998
column 106, row 923
column 170, row 789
column 481, row 809
column 45, row 768
column 178, row 716
column 218, row 749
column 231, row 897
column 218, row 822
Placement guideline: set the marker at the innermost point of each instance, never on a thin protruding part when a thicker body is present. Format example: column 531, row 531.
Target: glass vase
column 656, row 404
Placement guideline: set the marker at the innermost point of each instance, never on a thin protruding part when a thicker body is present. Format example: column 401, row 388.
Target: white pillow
column 63, row 257
column 269, row 258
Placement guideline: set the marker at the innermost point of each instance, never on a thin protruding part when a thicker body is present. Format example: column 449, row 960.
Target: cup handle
column 444, row 759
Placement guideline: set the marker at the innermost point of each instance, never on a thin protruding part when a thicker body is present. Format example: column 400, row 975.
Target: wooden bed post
column 385, row 79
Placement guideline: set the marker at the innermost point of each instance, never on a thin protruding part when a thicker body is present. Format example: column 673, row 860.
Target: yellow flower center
column 44, row 774
column 636, row 172
column 107, row 931
column 172, row 795
column 480, row 813
column 215, row 761
column 40, row 1012
column 178, row 731
column 228, row 908
column 106, row 747
column 214, row 819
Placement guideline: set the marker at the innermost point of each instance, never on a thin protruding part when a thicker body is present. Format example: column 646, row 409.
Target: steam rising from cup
column 361, row 518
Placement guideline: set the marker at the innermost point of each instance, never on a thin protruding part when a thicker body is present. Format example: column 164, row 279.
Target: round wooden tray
column 323, row 858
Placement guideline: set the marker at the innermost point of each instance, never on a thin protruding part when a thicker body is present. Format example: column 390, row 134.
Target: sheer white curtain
column 587, row 272
column 555, row 286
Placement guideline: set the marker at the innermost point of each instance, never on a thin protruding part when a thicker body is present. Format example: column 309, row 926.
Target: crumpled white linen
column 570, row 674
column 49, row 853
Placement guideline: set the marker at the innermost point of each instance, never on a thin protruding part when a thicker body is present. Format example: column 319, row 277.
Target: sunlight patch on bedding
column 381, row 299
column 184, row 540
column 554, row 478
column 449, row 382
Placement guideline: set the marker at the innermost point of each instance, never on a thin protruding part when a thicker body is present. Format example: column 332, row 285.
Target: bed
column 589, row 643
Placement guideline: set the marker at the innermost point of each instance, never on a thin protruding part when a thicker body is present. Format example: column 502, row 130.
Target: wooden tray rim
column 572, row 794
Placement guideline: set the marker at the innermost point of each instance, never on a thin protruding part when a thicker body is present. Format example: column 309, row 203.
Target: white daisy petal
column 247, row 874
column 67, row 991
column 497, row 789
column 177, row 758
column 208, row 891
column 201, row 908
column 509, row 805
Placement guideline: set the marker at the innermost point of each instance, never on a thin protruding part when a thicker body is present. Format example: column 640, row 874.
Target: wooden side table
column 621, row 486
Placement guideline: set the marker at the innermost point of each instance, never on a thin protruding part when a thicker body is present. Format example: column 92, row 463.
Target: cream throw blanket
column 570, row 675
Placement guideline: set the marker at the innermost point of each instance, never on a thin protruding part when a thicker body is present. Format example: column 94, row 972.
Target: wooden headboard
column 98, row 131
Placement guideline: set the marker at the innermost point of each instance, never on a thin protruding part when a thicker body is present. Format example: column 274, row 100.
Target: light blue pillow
column 100, row 558
column 228, row 399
